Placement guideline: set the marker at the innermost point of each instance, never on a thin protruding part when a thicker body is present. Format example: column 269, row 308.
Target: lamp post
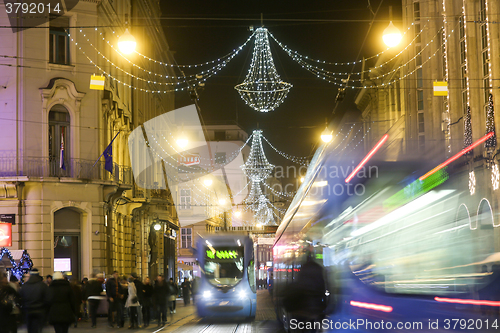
column 392, row 36
column 126, row 42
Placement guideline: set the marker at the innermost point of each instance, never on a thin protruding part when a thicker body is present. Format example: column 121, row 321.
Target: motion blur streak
column 367, row 157
column 456, row 156
column 467, row 301
column 377, row 307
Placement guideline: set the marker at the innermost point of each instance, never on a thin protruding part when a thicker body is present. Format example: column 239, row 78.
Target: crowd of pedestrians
column 61, row 303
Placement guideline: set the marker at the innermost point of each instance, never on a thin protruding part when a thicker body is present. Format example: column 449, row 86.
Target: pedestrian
column 172, row 295
column 139, row 286
column 115, row 296
column 93, row 296
column 77, row 292
column 161, row 296
column 84, row 299
column 8, row 299
column 186, row 291
column 147, row 294
column 48, row 280
column 62, row 304
column 33, row 298
column 132, row 303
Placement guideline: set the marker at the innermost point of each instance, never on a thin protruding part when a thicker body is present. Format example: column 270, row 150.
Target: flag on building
column 61, row 153
column 108, row 157
column 440, row 88
column 97, row 82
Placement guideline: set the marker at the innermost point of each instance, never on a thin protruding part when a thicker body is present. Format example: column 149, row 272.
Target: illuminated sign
column 222, row 254
column 5, row 234
column 189, row 159
column 62, row 264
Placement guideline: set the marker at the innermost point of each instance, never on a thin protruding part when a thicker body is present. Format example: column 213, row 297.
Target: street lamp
column 207, row 182
column 392, row 36
column 237, row 213
column 127, row 43
column 157, row 226
column 182, row 142
column 326, row 136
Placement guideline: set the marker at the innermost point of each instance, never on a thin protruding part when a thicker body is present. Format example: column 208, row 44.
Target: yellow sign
column 440, row 88
column 97, row 82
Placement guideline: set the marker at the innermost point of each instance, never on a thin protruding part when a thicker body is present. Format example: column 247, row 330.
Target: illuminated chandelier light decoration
column 257, row 167
column 264, row 214
column 252, row 200
column 467, row 130
column 263, row 90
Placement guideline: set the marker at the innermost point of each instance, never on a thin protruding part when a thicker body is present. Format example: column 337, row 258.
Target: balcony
column 75, row 168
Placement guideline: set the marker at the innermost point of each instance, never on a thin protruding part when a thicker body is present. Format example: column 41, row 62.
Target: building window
column 420, row 99
column 420, row 82
column 420, row 117
column 484, row 50
column 416, row 11
column 186, row 238
column 185, row 199
column 59, row 41
column 59, row 140
column 220, row 135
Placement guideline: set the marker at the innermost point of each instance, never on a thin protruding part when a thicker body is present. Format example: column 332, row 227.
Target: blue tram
column 227, row 286
column 398, row 253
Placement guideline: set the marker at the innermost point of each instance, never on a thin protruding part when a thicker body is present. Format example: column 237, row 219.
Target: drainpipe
column 20, row 196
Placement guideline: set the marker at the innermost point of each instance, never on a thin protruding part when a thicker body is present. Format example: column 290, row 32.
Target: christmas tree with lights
column 490, row 124
column 467, row 130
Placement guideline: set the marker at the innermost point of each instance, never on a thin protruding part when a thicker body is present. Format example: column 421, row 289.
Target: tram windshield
column 224, row 266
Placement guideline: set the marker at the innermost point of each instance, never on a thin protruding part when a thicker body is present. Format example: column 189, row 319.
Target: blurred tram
column 227, row 286
column 398, row 253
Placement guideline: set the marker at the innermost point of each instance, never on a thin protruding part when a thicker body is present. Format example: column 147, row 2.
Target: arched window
column 59, row 141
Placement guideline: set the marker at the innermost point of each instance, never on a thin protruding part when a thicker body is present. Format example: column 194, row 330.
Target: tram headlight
column 207, row 294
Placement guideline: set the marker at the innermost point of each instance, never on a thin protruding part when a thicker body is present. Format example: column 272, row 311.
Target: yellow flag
column 97, row 82
column 440, row 88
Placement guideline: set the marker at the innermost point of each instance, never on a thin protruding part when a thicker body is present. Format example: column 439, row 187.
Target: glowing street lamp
column 237, row 213
column 207, row 182
column 326, row 136
column 127, row 43
column 157, row 226
column 182, row 142
column 392, row 36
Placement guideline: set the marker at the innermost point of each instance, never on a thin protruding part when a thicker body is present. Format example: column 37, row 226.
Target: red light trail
column 467, row 301
column 367, row 157
column 370, row 306
column 456, row 156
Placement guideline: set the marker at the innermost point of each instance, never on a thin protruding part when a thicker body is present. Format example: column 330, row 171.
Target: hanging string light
column 263, row 90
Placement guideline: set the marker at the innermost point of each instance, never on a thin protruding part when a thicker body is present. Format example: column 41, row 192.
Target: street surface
column 185, row 320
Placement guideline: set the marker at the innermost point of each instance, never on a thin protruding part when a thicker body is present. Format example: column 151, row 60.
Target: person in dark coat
column 62, row 304
column 186, row 291
column 172, row 295
column 33, row 297
column 8, row 296
column 115, row 296
column 77, row 291
column 93, row 292
column 160, row 297
column 147, row 297
column 84, row 298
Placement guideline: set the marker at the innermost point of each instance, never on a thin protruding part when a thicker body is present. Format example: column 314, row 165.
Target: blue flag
column 108, row 157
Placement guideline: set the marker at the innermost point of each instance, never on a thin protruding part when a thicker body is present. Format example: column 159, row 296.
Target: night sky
column 196, row 36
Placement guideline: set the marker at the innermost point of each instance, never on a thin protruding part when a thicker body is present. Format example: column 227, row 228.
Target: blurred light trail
column 456, row 156
column 377, row 307
column 467, row 301
column 367, row 157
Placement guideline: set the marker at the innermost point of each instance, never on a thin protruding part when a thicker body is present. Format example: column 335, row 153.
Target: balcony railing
column 75, row 168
